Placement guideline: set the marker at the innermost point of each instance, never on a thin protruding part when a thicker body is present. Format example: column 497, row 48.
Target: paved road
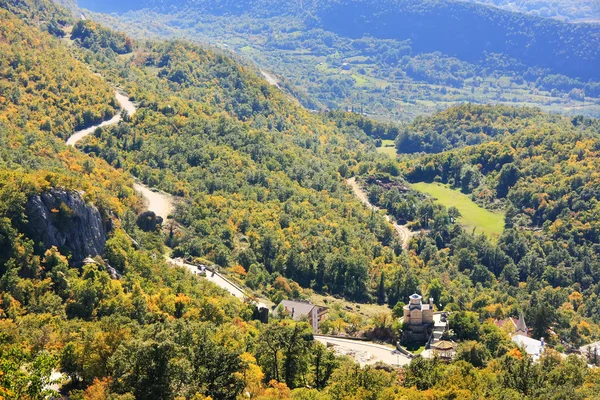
column 403, row 232
column 218, row 280
column 124, row 103
column 365, row 353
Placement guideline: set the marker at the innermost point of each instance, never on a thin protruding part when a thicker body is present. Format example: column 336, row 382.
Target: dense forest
column 261, row 175
column 541, row 170
column 261, row 191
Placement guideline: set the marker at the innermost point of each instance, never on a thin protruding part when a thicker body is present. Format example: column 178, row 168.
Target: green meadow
column 472, row 215
column 388, row 147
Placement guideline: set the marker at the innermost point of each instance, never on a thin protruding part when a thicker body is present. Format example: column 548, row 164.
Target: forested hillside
column 263, row 176
column 571, row 10
column 72, row 97
column 466, row 125
column 261, row 191
column 474, row 266
column 390, row 60
column 542, row 170
column 106, row 333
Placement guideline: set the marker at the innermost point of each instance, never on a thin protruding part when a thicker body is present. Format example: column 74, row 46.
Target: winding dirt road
column 124, row 103
column 403, row 232
column 159, row 203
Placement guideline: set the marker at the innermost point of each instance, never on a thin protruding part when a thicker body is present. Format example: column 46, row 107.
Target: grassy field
column 388, row 147
column 473, row 216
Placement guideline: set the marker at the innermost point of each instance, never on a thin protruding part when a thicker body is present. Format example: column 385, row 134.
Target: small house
column 300, row 309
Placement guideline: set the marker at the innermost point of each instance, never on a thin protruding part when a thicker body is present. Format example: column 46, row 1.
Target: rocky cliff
column 62, row 218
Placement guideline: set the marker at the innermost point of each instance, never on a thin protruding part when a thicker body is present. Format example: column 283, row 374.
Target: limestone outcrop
column 62, row 218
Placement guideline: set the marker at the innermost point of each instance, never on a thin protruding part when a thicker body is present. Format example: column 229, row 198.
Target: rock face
column 62, row 218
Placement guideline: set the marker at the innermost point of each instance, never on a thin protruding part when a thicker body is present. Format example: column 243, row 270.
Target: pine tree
column 381, row 289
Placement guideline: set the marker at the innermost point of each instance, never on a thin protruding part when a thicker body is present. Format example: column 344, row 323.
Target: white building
column 299, row 309
column 533, row 347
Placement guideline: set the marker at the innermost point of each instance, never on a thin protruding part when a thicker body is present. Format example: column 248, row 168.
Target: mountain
column 454, row 28
column 47, row 94
column 393, row 60
column 578, row 11
column 58, row 205
column 266, row 201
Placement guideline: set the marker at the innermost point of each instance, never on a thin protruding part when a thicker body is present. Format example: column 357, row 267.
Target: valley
column 377, row 73
column 342, row 199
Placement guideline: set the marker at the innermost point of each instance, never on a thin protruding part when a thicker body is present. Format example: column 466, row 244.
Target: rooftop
column 532, row 346
column 444, row 345
column 300, row 308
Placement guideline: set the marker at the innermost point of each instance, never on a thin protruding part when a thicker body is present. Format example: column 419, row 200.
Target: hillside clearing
column 473, row 216
column 388, row 147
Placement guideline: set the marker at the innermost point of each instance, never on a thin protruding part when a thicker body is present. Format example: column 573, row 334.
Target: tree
column 435, row 290
column 284, row 351
column 351, row 381
column 324, row 364
column 426, row 211
column 381, row 289
column 495, row 340
column 465, row 325
column 473, row 352
column 540, row 317
column 509, row 175
column 465, row 259
column 520, row 373
column 215, row 369
column 510, row 274
column 422, row 373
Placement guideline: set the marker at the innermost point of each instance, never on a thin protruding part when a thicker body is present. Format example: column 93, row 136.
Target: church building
column 416, row 313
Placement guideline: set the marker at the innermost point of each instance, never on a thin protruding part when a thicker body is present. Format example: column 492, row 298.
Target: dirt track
column 403, row 232
column 124, row 103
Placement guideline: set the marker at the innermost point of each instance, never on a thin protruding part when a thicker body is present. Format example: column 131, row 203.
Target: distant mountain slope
column 466, row 125
column 465, row 30
column 470, row 30
column 570, row 10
